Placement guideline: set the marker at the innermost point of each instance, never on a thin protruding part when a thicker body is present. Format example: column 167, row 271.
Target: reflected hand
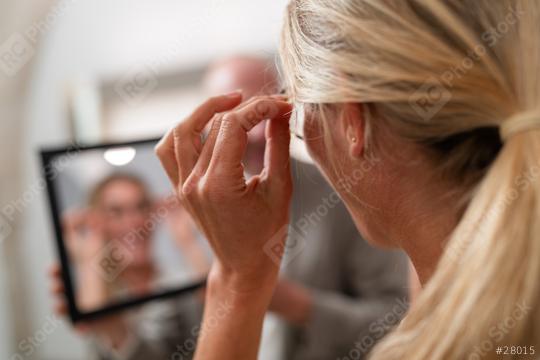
column 180, row 223
column 237, row 217
column 111, row 329
column 83, row 233
column 184, row 234
column 85, row 241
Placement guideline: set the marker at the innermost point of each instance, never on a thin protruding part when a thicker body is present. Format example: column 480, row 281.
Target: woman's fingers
column 60, row 308
column 178, row 150
column 187, row 136
column 206, row 155
column 94, row 223
column 277, row 153
column 55, row 270
column 232, row 139
column 208, row 149
column 57, row 283
column 72, row 222
column 165, row 152
column 204, row 113
column 57, row 287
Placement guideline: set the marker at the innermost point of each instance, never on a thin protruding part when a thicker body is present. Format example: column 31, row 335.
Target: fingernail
column 281, row 97
column 234, row 94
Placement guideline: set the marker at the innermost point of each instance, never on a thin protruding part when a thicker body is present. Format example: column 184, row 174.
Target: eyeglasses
column 297, row 121
column 297, row 118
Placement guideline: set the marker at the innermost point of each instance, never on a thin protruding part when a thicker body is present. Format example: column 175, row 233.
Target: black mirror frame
column 76, row 315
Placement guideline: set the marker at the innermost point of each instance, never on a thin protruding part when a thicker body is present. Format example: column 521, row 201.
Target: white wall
column 14, row 16
column 97, row 38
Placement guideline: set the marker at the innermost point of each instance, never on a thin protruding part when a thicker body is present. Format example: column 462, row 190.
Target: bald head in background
column 254, row 76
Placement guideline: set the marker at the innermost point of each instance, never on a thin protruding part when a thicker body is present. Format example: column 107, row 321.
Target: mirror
column 122, row 237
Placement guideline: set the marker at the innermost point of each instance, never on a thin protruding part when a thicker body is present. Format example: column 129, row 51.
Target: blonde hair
column 446, row 74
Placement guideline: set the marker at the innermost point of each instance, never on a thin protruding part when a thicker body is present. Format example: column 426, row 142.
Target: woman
column 446, row 96
column 117, row 205
column 110, row 244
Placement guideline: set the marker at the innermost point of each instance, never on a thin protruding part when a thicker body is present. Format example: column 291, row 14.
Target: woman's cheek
column 315, row 150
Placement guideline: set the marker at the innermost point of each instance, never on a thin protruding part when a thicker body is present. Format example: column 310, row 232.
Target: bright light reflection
column 120, row 156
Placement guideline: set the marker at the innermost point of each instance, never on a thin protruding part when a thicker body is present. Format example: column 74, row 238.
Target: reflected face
column 124, row 207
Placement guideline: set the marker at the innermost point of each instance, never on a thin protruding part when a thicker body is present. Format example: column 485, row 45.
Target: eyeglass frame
column 297, row 118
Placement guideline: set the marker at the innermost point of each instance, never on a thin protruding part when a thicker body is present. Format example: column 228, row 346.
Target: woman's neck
column 428, row 221
column 414, row 209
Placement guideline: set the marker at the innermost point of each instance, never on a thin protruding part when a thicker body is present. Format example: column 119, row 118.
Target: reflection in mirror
column 124, row 234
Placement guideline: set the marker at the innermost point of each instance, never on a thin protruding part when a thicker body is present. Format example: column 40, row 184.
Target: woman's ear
column 354, row 128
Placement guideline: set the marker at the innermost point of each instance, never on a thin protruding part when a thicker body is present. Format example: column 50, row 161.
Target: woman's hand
column 237, row 217
column 85, row 241
column 83, row 231
column 111, row 330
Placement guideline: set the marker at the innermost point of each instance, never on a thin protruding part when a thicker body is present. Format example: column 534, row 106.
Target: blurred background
column 91, row 71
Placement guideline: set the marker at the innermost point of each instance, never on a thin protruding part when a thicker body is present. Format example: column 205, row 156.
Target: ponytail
column 481, row 59
column 486, row 289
